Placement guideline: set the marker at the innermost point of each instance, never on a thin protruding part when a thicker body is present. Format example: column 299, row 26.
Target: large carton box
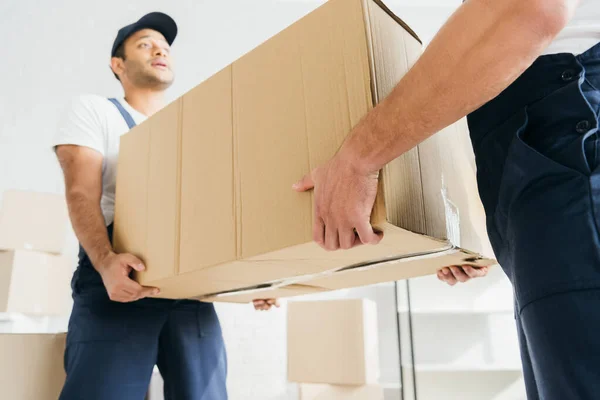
column 31, row 366
column 34, row 283
column 307, row 391
column 33, row 221
column 333, row 342
column 204, row 192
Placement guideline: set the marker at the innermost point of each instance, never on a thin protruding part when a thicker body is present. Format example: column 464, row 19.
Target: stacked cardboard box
column 32, row 366
column 333, row 349
column 34, row 271
column 204, row 192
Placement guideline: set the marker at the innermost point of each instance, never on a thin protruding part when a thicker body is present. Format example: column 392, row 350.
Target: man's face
column 148, row 62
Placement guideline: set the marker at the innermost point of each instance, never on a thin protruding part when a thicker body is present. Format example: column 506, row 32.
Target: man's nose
column 159, row 52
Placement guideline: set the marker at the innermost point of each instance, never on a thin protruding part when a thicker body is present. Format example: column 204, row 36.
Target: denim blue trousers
column 113, row 347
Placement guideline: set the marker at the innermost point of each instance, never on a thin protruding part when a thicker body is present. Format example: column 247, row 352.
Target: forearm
column 479, row 52
column 88, row 223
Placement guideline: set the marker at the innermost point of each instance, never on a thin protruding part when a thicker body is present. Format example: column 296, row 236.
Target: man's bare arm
column 82, row 168
column 479, row 52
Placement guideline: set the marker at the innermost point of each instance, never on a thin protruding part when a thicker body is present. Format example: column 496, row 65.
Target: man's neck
column 145, row 101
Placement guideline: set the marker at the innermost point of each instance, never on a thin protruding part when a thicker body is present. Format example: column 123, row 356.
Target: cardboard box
column 337, row 392
column 34, row 283
column 32, row 366
column 333, row 341
column 33, row 221
column 204, row 192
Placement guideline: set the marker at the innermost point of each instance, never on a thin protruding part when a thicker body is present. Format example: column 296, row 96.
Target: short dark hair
column 119, row 53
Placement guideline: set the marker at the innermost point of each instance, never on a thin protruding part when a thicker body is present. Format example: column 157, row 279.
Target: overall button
column 568, row 75
column 583, row 126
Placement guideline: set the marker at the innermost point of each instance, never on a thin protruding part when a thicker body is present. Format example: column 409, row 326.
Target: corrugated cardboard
column 204, row 192
column 33, row 221
column 333, row 341
column 34, row 283
column 31, row 366
column 308, row 391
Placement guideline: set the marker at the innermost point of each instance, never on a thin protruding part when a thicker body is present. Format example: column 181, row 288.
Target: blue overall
column 537, row 150
column 112, row 347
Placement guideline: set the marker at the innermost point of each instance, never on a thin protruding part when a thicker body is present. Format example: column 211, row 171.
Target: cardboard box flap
column 398, row 20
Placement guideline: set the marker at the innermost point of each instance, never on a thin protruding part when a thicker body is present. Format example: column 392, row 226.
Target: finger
column 473, row 272
column 148, row 291
column 129, row 293
column 273, row 302
column 450, row 279
column 440, row 275
column 139, row 291
column 304, row 184
column 122, row 296
column 366, row 233
column 319, row 231
column 445, row 275
column 332, row 241
column 134, row 262
column 459, row 274
column 347, row 238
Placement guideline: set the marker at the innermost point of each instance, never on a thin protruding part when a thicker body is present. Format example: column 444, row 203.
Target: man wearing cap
column 117, row 332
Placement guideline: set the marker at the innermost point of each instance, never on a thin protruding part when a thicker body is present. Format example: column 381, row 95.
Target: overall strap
column 126, row 116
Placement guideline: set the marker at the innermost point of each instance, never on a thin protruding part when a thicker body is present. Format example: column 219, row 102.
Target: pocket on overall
column 544, row 160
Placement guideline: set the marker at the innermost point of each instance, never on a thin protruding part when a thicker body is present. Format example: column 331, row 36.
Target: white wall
column 54, row 50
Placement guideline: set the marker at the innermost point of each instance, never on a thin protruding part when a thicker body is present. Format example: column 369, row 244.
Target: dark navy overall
column 537, row 149
column 112, row 347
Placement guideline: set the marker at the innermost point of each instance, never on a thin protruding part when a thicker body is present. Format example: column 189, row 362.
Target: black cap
column 156, row 20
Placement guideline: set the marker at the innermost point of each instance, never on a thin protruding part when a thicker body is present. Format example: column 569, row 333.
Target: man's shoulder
column 92, row 102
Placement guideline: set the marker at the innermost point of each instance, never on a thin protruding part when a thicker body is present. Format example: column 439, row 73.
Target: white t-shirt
column 582, row 32
column 95, row 122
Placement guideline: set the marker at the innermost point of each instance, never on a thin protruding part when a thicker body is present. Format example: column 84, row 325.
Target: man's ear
column 117, row 65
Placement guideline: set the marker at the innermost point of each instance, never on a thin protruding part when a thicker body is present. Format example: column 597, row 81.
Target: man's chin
column 166, row 83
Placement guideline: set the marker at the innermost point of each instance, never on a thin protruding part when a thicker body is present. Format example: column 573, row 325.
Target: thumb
column 149, row 291
column 304, row 184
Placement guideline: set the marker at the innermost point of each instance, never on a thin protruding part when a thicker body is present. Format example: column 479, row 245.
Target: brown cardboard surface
column 33, row 221
column 333, row 342
column 34, row 283
column 204, row 192
column 131, row 216
column 208, row 225
column 393, row 52
column 307, row 391
column 32, row 366
column 163, row 192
